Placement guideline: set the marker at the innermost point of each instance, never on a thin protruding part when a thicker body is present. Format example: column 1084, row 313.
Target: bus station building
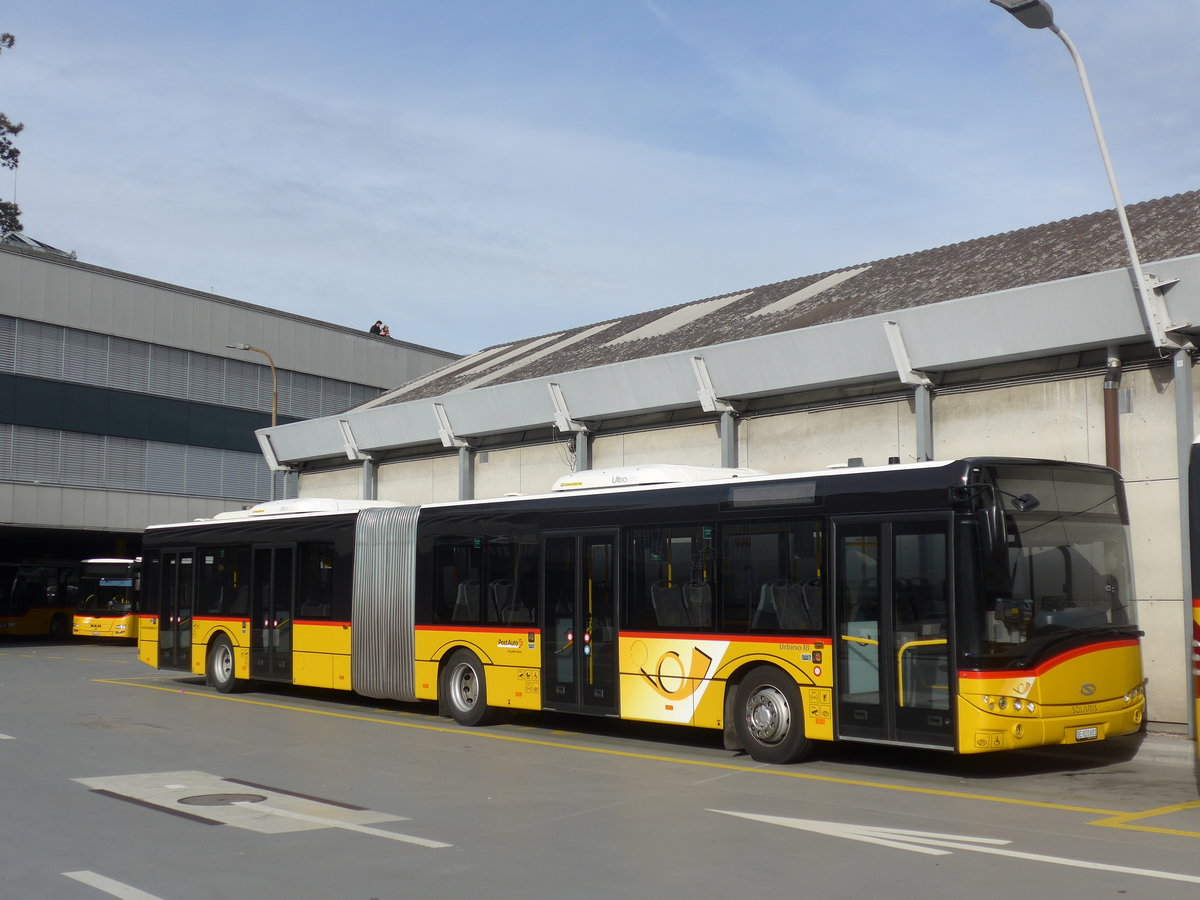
column 122, row 404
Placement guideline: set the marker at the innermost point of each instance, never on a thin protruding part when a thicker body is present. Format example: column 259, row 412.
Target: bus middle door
column 579, row 668
column 272, row 599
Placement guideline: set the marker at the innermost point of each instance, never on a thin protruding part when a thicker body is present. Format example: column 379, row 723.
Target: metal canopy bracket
column 268, row 452
column 445, row 432
column 564, row 422
column 1152, row 299
column 709, row 401
column 908, row 375
column 353, row 452
column 562, row 414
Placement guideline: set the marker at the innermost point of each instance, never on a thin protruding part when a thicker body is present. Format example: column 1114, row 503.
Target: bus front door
column 272, row 598
column 579, row 668
column 176, row 596
column 892, row 583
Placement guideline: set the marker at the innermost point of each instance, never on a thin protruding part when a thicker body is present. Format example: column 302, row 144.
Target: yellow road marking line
column 1124, row 820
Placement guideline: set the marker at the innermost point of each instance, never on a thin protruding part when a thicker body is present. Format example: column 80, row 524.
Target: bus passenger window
column 771, row 576
column 458, row 564
column 511, row 573
column 210, row 588
column 669, row 584
column 316, row 584
column 237, row 581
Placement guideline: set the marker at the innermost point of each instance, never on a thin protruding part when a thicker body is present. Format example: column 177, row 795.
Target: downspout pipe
column 1112, row 422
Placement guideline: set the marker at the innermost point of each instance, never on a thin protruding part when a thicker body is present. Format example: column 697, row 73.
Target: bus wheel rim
column 224, row 663
column 768, row 715
column 466, row 687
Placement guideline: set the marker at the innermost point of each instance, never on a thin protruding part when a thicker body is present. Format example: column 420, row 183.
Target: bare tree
column 10, row 213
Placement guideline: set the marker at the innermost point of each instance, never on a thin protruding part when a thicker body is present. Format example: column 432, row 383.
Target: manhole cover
column 221, row 799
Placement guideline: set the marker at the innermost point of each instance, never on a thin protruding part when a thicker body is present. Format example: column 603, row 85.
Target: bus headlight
column 1135, row 694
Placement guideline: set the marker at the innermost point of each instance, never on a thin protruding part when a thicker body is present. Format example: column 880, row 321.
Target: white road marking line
column 109, row 886
column 7, row 737
column 348, row 826
column 944, row 844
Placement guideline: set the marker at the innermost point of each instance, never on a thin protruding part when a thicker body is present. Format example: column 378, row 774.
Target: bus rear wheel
column 220, row 667
column 769, row 717
column 464, row 689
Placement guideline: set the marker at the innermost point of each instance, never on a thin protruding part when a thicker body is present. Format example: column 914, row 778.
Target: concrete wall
column 806, row 441
column 51, row 506
column 691, row 445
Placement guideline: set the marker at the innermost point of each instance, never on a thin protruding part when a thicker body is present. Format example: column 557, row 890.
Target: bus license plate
column 1086, row 734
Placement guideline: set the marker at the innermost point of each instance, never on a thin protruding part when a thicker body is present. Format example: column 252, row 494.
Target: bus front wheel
column 464, row 688
column 770, row 717
column 221, row 666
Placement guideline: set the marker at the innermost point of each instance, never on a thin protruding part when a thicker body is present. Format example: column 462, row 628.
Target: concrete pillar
column 370, row 479
column 923, row 397
column 466, row 474
column 729, row 440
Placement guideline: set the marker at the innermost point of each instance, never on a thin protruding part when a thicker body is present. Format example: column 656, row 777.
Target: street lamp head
column 239, row 346
column 1030, row 13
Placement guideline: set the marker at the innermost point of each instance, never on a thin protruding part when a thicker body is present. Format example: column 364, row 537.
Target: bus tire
column 769, row 717
column 464, row 689
column 60, row 629
column 221, row 666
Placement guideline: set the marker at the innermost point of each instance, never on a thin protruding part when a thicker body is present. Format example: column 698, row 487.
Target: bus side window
column 237, row 581
column 211, row 589
column 670, row 580
column 457, row 564
column 316, row 584
column 511, row 571
column 771, row 575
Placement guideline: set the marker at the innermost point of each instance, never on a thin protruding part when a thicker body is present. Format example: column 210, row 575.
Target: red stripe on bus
column 1049, row 664
column 740, row 638
column 476, row 629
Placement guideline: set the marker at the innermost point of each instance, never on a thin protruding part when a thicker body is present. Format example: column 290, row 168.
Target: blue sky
column 478, row 172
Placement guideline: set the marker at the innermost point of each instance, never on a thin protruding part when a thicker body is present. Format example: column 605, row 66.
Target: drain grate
column 221, row 799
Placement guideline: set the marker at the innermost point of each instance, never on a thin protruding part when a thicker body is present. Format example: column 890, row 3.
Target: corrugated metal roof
column 1165, row 228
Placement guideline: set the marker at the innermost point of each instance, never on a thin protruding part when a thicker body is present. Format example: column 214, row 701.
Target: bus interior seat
column 499, row 597
column 791, row 605
column 697, row 603
column 766, row 602
column 466, row 604
column 667, row 599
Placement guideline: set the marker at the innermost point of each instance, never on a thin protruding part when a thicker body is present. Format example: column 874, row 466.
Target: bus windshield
column 1059, row 563
column 106, row 588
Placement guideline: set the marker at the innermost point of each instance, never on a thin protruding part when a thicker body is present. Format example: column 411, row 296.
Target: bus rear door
column 892, row 584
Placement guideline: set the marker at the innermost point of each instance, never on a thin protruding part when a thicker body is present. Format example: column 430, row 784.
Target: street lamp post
column 1039, row 14
column 274, row 392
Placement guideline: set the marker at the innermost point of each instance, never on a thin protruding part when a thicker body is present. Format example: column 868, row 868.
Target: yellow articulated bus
column 970, row 606
column 37, row 598
column 108, row 599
